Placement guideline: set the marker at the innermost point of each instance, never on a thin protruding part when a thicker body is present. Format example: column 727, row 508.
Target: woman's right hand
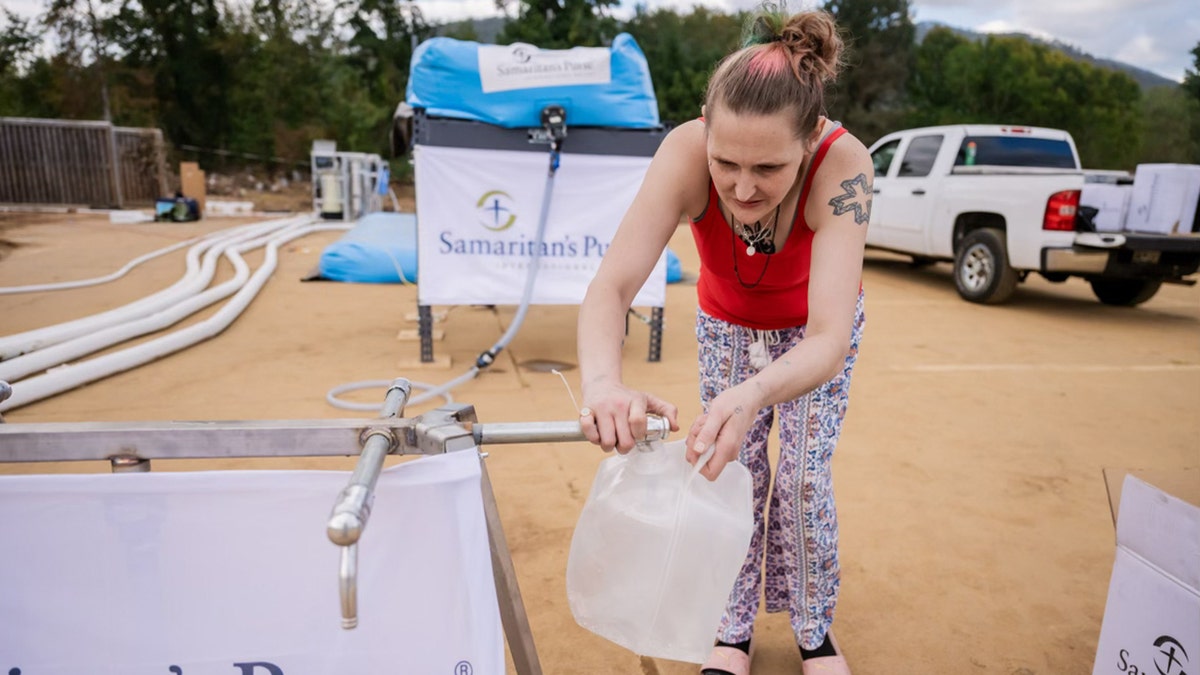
column 614, row 416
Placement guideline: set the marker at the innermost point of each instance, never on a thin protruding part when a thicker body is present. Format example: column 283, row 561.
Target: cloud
column 456, row 10
column 1155, row 36
column 1002, row 26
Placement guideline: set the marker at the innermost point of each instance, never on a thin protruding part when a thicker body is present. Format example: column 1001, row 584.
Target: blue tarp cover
column 446, row 82
column 379, row 247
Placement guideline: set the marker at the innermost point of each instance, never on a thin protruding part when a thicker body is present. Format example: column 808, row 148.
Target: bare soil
column 975, row 525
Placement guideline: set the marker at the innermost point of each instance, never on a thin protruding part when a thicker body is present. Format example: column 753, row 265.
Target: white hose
column 196, row 278
column 68, row 377
column 27, row 364
column 96, row 281
column 431, row 390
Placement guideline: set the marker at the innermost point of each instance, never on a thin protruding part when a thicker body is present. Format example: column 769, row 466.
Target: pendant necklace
column 759, row 237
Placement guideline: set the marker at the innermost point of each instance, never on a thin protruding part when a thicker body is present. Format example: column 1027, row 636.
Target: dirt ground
column 976, row 531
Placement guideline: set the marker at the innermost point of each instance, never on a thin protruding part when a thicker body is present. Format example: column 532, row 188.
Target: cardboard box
column 1164, row 199
column 1152, row 617
column 191, row 184
column 1112, row 202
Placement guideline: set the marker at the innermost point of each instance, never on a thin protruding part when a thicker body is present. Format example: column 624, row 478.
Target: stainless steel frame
column 130, row 446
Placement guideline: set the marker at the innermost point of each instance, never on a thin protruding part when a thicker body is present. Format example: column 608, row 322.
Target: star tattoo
column 857, row 198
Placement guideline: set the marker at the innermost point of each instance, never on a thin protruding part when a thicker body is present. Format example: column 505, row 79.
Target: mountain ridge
column 1145, row 78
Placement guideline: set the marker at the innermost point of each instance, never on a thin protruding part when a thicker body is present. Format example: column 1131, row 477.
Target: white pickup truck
column 1001, row 202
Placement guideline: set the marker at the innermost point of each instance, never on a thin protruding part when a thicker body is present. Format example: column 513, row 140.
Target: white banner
column 524, row 66
column 231, row 573
column 477, row 221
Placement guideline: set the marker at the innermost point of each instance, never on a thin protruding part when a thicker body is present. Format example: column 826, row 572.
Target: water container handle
column 702, row 461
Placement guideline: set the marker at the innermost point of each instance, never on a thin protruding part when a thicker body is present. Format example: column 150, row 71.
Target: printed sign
column 523, row 66
column 477, row 222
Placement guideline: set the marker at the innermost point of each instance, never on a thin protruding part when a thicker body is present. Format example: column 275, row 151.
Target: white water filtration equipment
column 347, row 185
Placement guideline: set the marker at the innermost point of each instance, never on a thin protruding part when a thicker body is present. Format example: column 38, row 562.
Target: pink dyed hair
column 782, row 69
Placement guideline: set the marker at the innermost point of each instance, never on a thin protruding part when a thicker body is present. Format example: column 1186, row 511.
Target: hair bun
column 812, row 38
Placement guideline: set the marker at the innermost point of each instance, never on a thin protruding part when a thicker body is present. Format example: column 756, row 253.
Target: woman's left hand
column 729, row 417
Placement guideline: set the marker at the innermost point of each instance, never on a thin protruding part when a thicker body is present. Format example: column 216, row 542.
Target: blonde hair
column 784, row 64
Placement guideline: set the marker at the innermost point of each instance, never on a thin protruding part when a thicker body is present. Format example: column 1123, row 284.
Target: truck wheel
column 1125, row 292
column 981, row 270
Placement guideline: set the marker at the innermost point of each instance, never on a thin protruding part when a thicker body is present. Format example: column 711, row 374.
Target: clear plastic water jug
column 657, row 550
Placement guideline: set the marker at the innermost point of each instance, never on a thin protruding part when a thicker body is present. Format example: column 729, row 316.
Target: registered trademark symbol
column 463, row 668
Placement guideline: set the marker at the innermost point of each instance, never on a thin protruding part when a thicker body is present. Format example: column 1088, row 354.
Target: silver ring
column 585, row 412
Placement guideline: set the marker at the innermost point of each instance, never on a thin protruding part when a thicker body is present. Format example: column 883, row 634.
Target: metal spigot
column 353, row 506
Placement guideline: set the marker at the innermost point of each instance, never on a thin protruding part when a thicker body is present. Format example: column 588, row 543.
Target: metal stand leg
column 656, row 328
column 512, row 608
column 425, row 329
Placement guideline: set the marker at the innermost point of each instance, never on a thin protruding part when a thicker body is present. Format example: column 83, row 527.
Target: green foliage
column 1168, row 116
column 17, row 42
column 461, row 30
column 870, row 94
column 682, row 51
column 264, row 78
column 562, row 24
column 1191, row 85
column 1191, row 79
column 1006, row 80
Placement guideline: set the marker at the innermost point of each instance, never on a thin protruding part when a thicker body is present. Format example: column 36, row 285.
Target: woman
column 779, row 198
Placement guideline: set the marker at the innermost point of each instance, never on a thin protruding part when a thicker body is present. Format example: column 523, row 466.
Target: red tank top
column 735, row 287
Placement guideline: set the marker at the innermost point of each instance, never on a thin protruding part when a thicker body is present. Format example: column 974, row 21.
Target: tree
column 85, row 29
column 870, row 94
column 682, row 51
column 177, row 46
column 1191, row 78
column 938, row 77
column 1164, row 139
column 17, row 42
column 560, row 24
column 1008, row 80
column 1191, row 85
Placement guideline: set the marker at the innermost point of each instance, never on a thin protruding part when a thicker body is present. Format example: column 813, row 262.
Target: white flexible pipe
column 196, row 278
column 20, row 343
column 69, row 377
column 33, row 362
column 96, row 281
column 431, row 390
column 486, row 358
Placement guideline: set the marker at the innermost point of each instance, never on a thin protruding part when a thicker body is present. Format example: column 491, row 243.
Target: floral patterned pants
column 801, row 536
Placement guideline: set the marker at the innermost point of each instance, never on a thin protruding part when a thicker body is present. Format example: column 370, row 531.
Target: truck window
column 1046, row 153
column 918, row 158
column 883, row 156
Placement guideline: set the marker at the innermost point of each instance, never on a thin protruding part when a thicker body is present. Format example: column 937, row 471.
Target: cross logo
column 1169, row 661
column 496, row 210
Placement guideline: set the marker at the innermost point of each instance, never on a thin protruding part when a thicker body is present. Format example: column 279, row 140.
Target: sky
column 1156, row 35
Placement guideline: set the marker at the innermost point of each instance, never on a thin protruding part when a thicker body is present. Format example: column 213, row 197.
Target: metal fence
column 92, row 164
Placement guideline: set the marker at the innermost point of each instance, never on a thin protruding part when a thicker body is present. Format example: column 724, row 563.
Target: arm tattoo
column 738, row 410
column 857, row 198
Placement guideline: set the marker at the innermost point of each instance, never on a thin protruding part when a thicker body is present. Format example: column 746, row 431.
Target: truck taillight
column 1060, row 211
